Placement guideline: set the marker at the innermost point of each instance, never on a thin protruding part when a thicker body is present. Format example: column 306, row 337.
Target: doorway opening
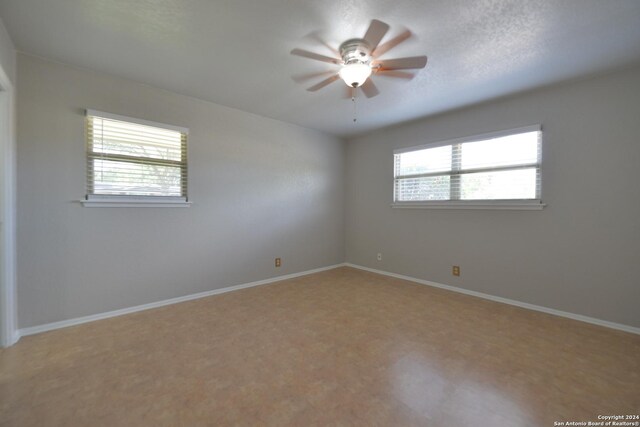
column 8, row 314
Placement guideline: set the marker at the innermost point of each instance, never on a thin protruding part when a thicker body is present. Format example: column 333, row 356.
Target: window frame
column 130, row 200
column 502, row 204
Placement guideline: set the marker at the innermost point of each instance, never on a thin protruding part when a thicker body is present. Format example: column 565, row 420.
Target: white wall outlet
column 379, row 257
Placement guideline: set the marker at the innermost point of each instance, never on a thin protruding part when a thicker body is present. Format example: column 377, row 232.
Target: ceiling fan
column 358, row 60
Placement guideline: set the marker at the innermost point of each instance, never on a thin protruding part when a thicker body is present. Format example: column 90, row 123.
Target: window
column 488, row 171
column 134, row 161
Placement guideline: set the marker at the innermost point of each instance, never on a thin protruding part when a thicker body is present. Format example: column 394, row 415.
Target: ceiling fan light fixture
column 355, row 74
column 356, row 56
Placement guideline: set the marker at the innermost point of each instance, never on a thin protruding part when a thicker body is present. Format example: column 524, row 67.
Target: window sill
column 132, row 202
column 525, row 205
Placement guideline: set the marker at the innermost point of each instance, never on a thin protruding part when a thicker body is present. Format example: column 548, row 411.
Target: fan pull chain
column 353, row 99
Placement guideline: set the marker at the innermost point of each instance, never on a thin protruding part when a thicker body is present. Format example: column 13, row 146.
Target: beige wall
column 260, row 189
column 581, row 254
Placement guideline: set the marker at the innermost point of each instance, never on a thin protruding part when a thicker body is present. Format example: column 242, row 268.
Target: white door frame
column 8, row 304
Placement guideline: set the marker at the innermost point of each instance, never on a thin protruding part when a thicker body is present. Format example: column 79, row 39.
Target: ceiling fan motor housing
column 355, row 50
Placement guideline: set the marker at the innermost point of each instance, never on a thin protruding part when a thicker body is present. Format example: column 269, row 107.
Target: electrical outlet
column 278, row 262
column 379, row 257
column 455, row 270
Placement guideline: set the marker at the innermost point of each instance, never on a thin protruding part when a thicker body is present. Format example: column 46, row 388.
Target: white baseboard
column 79, row 320
column 579, row 317
column 85, row 319
column 15, row 338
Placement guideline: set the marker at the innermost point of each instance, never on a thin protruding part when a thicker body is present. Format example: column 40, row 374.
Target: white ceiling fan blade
column 375, row 33
column 324, row 83
column 301, row 78
column 409, row 63
column 349, row 92
column 315, row 36
column 316, row 56
column 396, row 74
column 387, row 46
column 370, row 89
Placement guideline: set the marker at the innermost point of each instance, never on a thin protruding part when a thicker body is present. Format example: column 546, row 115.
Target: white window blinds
column 130, row 157
column 501, row 166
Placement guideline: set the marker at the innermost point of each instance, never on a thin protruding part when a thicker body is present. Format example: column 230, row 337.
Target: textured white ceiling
column 236, row 52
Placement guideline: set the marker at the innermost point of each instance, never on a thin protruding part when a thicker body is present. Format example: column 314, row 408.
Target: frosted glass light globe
column 354, row 75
